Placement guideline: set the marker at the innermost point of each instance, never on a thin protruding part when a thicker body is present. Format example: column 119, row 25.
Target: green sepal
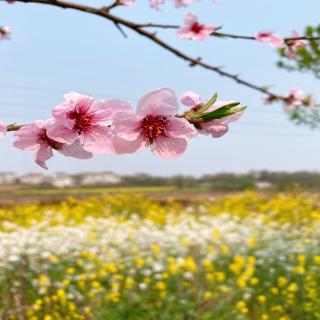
column 207, row 105
column 222, row 112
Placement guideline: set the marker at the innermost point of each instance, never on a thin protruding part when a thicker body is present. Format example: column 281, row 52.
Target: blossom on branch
column 5, row 33
column 82, row 125
column 297, row 98
column 270, row 38
column 155, row 4
column 127, row 3
column 182, row 3
column 154, row 125
column 294, row 45
column 216, row 127
column 34, row 137
column 194, row 30
column 84, row 118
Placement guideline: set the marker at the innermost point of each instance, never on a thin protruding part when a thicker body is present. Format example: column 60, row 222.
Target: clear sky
column 53, row 51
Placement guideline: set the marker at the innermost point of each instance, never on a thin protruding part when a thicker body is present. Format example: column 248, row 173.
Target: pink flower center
column 196, row 27
column 44, row 139
column 153, row 127
column 82, row 121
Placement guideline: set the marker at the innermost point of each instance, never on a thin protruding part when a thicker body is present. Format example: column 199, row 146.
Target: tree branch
column 222, row 34
column 14, row 127
column 138, row 28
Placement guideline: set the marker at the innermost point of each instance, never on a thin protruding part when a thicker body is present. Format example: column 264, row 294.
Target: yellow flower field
column 243, row 256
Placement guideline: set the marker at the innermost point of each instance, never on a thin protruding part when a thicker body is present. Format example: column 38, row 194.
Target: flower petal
column 43, row 154
column 27, row 137
column 158, row 102
column 106, row 109
column 215, row 129
column 190, row 99
column 97, row 140
column 75, row 150
column 179, row 128
column 126, row 126
column 169, row 148
column 56, row 130
column 122, row 146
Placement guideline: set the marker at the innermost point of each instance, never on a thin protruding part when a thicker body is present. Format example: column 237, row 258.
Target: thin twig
column 222, row 34
column 151, row 36
column 111, row 6
column 14, row 127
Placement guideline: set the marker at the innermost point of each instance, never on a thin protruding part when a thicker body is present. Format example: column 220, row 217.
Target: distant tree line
column 279, row 181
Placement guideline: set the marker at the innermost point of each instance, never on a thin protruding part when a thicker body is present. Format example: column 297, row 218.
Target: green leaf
column 223, row 112
column 207, row 105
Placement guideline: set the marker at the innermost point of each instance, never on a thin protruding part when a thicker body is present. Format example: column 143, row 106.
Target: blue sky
column 53, row 51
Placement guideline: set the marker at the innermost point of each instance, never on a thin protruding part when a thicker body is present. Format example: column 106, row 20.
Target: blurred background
column 231, row 230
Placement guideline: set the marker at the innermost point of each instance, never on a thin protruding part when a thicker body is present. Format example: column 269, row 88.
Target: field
column 25, row 195
column 129, row 256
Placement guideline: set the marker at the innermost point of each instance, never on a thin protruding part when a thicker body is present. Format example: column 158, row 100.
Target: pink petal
column 85, row 104
column 72, row 97
column 97, row 140
column 179, row 128
column 297, row 94
column 27, row 138
column 122, row 146
column 190, row 18
column 126, row 126
column 270, row 38
column 106, row 109
column 60, row 110
column 158, row 102
column 75, row 150
column 169, row 148
column 56, row 130
column 190, row 99
column 216, row 130
column 43, row 154
column 184, row 32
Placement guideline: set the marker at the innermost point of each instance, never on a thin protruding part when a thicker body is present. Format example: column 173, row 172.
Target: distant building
column 62, row 180
column 33, row 179
column 8, row 178
column 263, row 185
column 99, row 178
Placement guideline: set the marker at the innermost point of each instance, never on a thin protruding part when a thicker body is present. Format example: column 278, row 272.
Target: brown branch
column 14, row 127
column 151, row 36
column 222, row 34
column 111, row 6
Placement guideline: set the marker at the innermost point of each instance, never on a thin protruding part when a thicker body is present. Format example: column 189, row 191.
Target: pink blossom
column 155, row 4
column 192, row 29
column 294, row 45
column 154, row 125
column 297, row 98
column 270, row 38
column 294, row 99
column 182, row 3
column 127, row 3
column 217, row 127
column 82, row 117
column 3, row 130
column 5, row 33
column 34, row 137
